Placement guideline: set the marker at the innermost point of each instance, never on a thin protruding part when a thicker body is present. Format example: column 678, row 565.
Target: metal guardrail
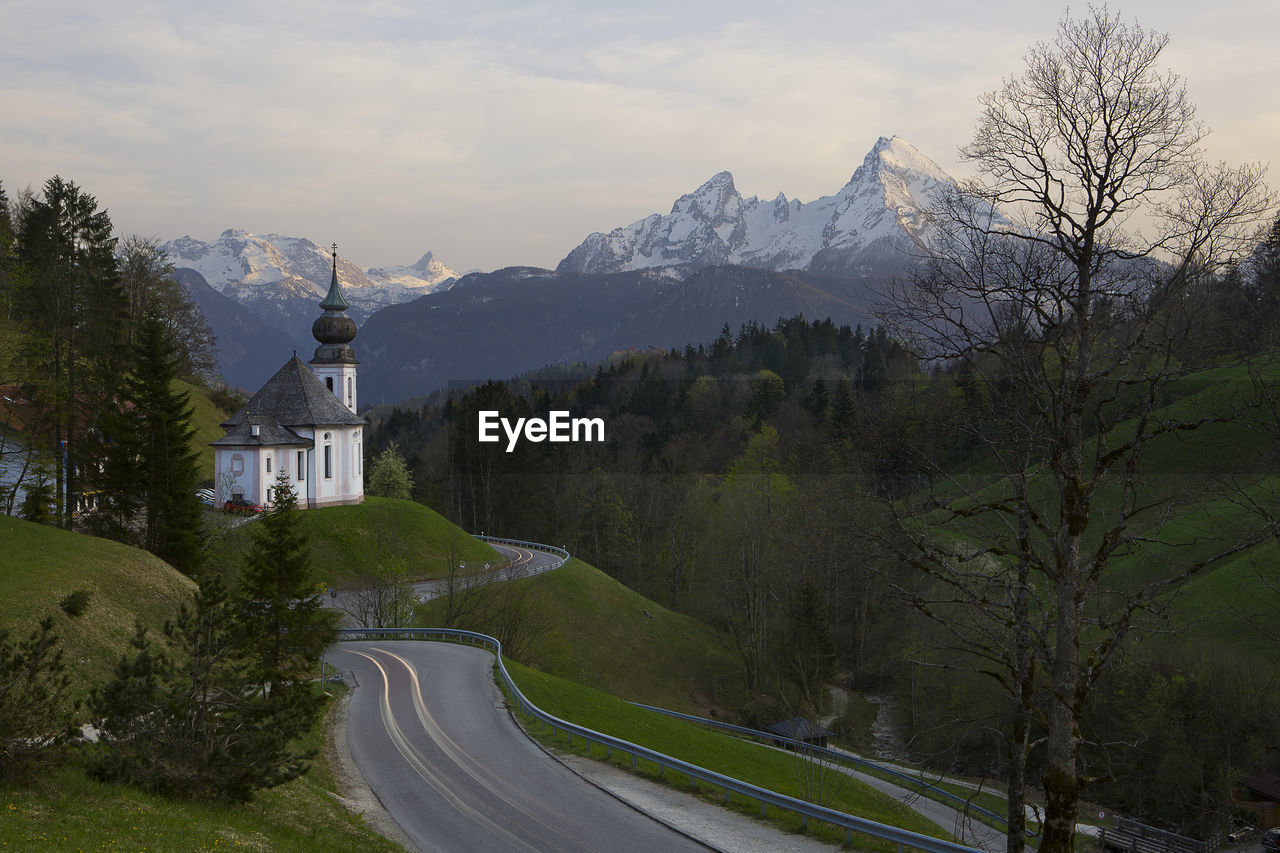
column 906, row 779
column 520, row 543
column 904, row 838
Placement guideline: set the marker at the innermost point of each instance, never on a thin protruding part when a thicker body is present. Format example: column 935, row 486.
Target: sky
column 502, row 133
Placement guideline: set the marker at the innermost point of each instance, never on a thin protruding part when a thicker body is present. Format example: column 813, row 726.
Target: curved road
column 521, row 563
column 431, row 735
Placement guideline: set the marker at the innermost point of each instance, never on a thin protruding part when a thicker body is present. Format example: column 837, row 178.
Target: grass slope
column 600, row 633
column 1201, row 484
column 205, row 419
column 760, row 765
column 349, row 543
column 68, row 811
column 40, row 565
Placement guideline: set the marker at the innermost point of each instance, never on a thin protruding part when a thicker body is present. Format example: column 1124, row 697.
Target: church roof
column 270, row 434
column 294, row 397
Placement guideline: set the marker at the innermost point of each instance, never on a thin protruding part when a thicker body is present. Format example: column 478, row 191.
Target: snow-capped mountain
column 254, row 268
column 863, row 229
column 277, row 283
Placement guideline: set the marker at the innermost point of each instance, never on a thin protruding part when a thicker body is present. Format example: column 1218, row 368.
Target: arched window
column 328, row 454
column 356, row 455
column 328, row 381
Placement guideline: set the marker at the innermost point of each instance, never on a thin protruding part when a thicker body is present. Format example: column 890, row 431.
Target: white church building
column 302, row 422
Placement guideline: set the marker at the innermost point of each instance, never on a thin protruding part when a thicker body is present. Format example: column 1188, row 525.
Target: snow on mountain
column 862, row 229
column 271, row 268
column 426, row 276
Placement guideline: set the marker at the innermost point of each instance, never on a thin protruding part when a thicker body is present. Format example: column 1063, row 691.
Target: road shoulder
column 353, row 791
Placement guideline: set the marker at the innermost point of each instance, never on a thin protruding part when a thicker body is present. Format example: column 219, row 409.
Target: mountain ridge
column 860, row 230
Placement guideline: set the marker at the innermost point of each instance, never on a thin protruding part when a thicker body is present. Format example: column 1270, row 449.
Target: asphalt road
column 432, row 737
column 521, row 563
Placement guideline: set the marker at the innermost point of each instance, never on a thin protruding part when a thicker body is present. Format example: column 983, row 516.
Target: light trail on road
column 432, row 737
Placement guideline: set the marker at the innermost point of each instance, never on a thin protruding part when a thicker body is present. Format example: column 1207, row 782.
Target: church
column 301, row 423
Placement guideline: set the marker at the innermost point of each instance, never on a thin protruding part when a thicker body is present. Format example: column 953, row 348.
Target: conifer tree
column 147, row 482
column 193, row 724
column 172, row 520
column 285, row 617
column 71, row 309
column 36, row 719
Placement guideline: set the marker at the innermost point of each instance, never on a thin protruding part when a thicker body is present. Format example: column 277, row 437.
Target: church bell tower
column 335, row 363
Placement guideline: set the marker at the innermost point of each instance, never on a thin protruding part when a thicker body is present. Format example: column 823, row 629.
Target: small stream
column 886, row 744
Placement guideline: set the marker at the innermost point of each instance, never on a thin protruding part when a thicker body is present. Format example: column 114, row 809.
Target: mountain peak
column 895, row 154
column 857, row 231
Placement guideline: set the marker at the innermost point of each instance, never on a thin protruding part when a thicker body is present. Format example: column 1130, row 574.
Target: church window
column 328, row 457
column 328, row 381
column 355, row 455
column 302, row 465
column 268, row 466
column 349, row 395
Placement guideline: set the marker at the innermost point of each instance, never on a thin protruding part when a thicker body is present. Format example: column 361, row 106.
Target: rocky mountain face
column 279, row 282
column 867, row 228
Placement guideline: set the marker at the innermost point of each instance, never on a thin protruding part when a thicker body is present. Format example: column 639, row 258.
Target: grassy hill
column 41, row 565
column 599, row 633
column 206, row 417
column 349, row 543
column 1206, row 488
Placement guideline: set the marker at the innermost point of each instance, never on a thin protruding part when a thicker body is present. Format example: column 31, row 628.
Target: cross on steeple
column 335, row 257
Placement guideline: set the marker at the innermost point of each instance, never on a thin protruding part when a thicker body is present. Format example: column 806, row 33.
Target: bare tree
column 1060, row 279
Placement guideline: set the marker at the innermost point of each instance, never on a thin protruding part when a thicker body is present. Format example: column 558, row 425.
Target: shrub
column 76, row 603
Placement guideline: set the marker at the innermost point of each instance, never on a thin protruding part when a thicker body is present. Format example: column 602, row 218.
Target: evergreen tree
column 172, row 519
column 72, row 311
column 284, row 617
column 195, row 725
column 146, row 485
column 810, row 653
column 36, row 715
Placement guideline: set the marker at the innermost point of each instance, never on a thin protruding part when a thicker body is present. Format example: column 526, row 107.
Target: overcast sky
column 499, row 133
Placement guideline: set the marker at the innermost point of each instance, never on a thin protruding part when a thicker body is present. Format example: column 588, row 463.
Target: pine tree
column 72, row 311
column 172, row 511
column 36, row 715
column 194, row 725
column 147, row 482
column 285, row 617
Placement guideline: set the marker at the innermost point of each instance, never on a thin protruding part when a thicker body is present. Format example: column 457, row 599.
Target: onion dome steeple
column 333, row 329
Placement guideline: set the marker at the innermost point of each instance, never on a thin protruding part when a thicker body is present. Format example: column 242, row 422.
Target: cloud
column 501, row 132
